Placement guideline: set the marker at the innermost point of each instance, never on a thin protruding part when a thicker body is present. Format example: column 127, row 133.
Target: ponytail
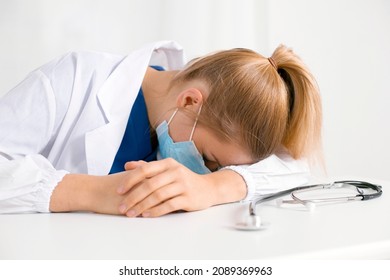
column 303, row 132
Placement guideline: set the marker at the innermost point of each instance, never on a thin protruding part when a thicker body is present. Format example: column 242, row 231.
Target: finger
column 145, row 188
column 169, row 206
column 156, row 198
column 143, row 172
column 130, row 165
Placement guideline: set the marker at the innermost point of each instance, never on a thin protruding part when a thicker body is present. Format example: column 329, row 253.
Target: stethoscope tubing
column 272, row 196
column 358, row 184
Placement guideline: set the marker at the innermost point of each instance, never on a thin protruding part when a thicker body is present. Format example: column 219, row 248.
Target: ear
column 190, row 98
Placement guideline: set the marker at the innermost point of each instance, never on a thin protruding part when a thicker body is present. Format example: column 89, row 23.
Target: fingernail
column 146, row 214
column 120, row 190
column 122, row 208
column 130, row 213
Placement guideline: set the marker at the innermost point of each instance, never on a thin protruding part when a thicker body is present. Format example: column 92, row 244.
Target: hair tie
column 273, row 63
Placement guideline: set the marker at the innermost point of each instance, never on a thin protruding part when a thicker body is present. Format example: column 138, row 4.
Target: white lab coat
column 69, row 116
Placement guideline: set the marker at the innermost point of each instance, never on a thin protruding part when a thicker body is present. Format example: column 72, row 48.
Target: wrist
column 76, row 192
column 228, row 186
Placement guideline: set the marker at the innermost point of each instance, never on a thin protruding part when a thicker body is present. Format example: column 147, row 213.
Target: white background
column 346, row 43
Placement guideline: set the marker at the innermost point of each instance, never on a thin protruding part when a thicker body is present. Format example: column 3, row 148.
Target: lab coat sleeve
column 26, row 184
column 27, row 120
column 275, row 173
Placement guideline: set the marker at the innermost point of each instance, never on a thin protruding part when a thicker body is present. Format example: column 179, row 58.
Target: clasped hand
column 152, row 189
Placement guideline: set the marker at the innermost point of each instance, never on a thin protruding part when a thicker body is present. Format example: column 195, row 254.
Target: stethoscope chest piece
column 251, row 223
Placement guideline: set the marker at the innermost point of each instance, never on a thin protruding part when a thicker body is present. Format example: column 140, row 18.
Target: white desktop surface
column 355, row 230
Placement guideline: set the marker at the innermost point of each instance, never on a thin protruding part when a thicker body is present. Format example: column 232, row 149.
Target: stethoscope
column 253, row 221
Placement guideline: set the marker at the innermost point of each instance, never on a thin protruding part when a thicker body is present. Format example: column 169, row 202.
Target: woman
column 81, row 132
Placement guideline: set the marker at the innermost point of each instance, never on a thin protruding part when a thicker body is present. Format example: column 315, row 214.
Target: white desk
column 356, row 230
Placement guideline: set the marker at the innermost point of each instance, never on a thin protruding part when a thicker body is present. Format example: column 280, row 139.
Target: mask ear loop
column 171, row 118
column 196, row 121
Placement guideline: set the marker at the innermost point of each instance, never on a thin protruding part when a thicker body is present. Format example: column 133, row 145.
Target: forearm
column 73, row 193
column 79, row 192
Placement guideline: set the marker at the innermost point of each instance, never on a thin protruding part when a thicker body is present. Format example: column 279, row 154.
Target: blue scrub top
column 137, row 141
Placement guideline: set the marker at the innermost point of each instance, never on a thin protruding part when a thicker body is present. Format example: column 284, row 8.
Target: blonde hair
column 262, row 103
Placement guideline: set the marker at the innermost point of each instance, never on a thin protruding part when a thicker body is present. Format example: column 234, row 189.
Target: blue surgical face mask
column 184, row 152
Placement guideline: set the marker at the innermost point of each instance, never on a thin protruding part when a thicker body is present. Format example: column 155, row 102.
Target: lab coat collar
column 118, row 94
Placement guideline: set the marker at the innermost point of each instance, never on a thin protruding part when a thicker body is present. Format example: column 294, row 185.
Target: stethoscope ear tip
column 279, row 202
column 311, row 206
